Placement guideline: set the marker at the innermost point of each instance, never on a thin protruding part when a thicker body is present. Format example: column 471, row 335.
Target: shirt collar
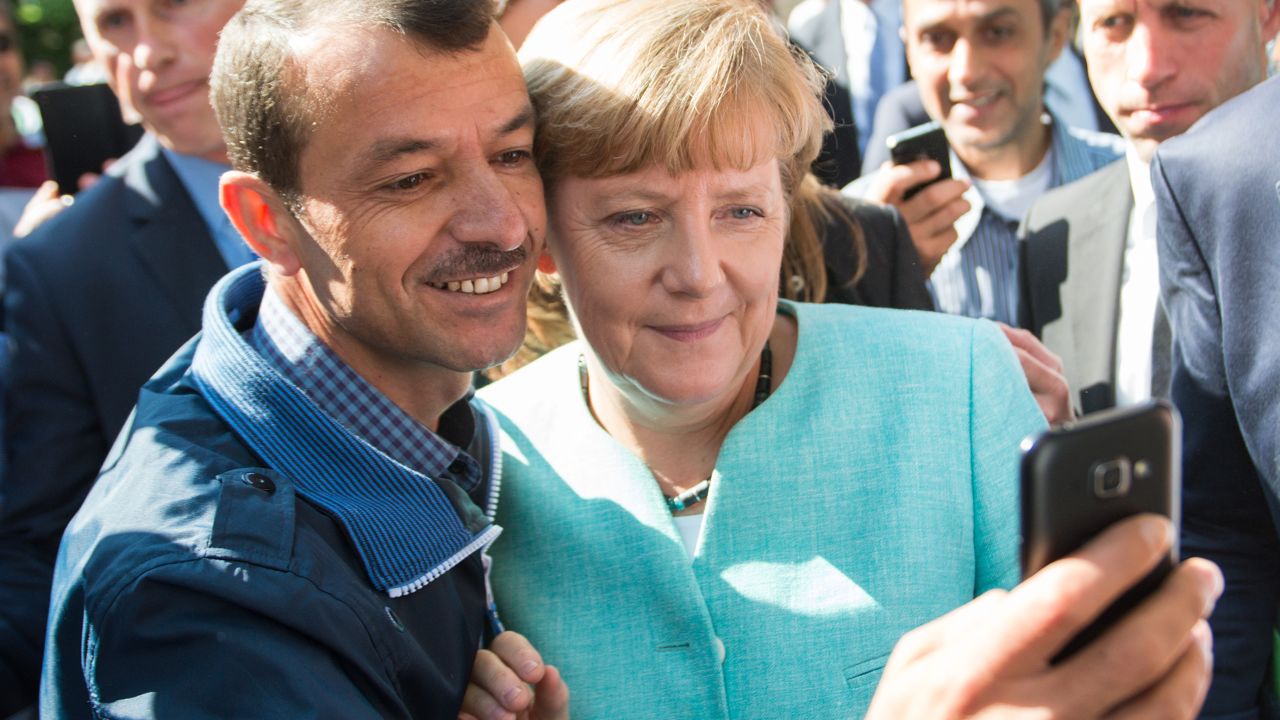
column 1143, row 220
column 346, row 396
column 200, row 178
column 1144, row 195
column 967, row 224
column 407, row 528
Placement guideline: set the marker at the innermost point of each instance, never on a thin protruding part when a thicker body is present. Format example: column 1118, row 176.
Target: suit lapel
column 170, row 239
column 1096, row 268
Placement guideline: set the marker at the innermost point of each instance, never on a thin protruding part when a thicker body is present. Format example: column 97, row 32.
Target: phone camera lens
column 1112, row 478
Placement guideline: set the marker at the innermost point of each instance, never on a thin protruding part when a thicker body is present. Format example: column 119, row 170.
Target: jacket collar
column 402, row 523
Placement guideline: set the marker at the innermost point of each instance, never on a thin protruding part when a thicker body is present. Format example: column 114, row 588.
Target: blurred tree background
column 47, row 28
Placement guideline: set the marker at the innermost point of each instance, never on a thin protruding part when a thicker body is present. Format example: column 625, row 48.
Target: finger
column 1143, row 645
column 48, row 190
column 1181, row 692
column 494, row 676
column 930, row 250
column 1052, row 606
column 928, row 220
column 1025, row 340
column 519, row 655
column 941, row 193
column 480, row 704
column 894, row 180
column 87, row 180
column 551, row 696
column 1048, row 386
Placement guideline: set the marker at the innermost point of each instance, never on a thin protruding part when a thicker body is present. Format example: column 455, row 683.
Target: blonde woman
column 718, row 503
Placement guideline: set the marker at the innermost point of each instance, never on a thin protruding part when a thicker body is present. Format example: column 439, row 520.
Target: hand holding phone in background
column 918, row 183
column 49, row 200
column 84, row 131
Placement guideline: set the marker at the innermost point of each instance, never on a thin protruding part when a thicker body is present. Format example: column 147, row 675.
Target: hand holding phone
column 929, row 200
column 1084, row 476
column 925, row 142
column 83, row 129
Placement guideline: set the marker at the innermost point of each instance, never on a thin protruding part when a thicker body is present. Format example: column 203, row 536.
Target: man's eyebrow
column 389, row 149
column 522, row 120
column 384, row 151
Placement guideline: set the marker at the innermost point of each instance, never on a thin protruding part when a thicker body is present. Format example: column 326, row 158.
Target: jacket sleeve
column 1003, row 413
column 1225, row 515
column 179, row 642
column 54, row 445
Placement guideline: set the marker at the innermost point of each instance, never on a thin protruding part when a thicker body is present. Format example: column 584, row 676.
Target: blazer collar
column 169, row 238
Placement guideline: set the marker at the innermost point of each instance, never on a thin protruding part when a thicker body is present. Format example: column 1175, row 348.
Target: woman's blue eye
column 637, row 218
column 744, row 213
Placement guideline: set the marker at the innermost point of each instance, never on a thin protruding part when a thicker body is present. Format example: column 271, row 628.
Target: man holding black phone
column 100, row 295
column 980, row 68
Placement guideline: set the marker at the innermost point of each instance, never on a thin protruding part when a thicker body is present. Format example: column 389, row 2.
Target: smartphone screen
column 1080, row 478
column 83, row 128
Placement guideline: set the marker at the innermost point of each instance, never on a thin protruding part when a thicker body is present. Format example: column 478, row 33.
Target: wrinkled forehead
column 918, row 14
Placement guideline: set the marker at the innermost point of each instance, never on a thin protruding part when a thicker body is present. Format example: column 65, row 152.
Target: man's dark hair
column 258, row 95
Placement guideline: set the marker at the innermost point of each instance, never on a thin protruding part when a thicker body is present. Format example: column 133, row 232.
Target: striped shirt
column 342, row 394
column 978, row 276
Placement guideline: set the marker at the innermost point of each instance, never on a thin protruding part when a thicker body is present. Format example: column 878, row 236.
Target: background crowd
column 1113, row 206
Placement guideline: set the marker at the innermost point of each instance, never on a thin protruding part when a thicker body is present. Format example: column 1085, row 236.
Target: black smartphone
column 923, row 142
column 1082, row 477
column 83, row 128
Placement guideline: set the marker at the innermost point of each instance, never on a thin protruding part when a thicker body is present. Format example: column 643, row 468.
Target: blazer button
column 719, row 650
column 259, row 481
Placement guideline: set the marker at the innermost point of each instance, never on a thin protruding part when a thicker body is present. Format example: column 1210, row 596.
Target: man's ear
column 546, row 263
column 1059, row 32
column 1269, row 14
column 262, row 219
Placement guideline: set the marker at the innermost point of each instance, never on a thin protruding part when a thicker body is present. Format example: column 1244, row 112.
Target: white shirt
column 972, row 281
column 690, row 528
column 1139, row 289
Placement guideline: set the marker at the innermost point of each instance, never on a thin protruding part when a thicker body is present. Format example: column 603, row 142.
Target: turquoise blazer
column 875, row 490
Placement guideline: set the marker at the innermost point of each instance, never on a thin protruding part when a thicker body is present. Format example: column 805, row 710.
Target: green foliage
column 47, row 29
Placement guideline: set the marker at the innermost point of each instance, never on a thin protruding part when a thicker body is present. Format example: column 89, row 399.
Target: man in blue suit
column 1218, row 197
column 102, row 294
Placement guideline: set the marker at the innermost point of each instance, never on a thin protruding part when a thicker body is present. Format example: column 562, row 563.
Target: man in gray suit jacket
column 100, row 296
column 1218, row 198
column 1088, row 276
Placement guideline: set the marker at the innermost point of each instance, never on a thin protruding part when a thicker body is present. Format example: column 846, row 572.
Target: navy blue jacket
column 96, row 300
column 1218, row 194
column 196, row 582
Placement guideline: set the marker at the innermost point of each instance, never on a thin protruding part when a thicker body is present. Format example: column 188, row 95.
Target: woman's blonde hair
column 623, row 85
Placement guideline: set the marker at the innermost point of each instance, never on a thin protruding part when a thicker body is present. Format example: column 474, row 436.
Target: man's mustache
column 478, row 261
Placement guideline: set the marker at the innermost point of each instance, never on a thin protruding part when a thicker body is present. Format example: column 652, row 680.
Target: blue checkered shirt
column 984, row 281
column 342, row 394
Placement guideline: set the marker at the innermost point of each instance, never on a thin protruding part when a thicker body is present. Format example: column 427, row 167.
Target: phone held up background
column 924, row 142
column 83, row 128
